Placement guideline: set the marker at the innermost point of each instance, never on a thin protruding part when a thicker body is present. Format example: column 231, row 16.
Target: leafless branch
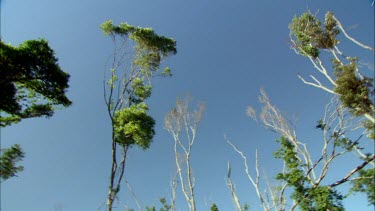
column 346, row 178
column 349, row 37
column 233, row 191
column 133, row 194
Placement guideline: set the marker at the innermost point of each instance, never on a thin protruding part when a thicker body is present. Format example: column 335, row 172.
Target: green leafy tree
column 316, row 40
column 137, row 55
column 32, row 84
column 356, row 91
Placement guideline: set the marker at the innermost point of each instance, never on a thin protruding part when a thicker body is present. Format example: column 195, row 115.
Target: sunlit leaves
column 141, row 91
column 354, row 92
column 311, row 36
column 365, row 183
column 149, row 47
column 309, row 197
column 133, row 126
column 166, row 72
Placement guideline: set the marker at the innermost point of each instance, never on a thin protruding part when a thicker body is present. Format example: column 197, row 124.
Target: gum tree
column 303, row 182
column 347, row 79
column 318, row 42
column 137, row 55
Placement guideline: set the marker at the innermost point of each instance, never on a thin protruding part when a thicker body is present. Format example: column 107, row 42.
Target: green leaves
column 145, row 38
column 311, row 36
column 9, row 158
column 365, row 184
column 149, row 48
column 354, row 92
column 214, row 207
column 141, row 91
column 32, row 83
column 133, row 126
column 307, row 196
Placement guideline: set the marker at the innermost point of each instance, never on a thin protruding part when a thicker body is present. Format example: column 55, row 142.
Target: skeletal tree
column 272, row 197
column 304, row 174
column 182, row 124
column 137, row 55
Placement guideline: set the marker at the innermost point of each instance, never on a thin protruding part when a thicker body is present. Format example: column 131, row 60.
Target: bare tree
column 182, row 124
column 272, row 198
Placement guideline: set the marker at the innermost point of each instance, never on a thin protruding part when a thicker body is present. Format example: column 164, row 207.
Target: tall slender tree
column 137, row 55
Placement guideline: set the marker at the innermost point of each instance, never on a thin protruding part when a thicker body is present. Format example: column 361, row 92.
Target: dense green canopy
column 32, row 83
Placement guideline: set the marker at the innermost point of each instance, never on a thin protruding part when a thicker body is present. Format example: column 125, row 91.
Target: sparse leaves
column 8, row 159
column 137, row 55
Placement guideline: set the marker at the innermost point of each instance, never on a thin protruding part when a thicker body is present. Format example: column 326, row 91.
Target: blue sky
column 227, row 51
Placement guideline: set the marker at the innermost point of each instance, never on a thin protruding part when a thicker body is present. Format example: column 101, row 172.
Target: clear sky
column 227, row 51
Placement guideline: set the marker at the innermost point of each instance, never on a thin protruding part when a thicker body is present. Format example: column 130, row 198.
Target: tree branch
column 346, row 178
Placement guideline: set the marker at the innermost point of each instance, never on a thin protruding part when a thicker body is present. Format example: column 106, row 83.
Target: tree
column 32, row 84
column 180, row 120
column 355, row 88
column 137, row 55
column 306, row 178
column 313, row 39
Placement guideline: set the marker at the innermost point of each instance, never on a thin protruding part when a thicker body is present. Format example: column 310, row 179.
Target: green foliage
column 8, row 159
column 32, row 83
column 320, row 198
column 163, row 201
column 307, row 196
column 214, row 207
column 356, row 94
column 138, row 53
column 166, row 206
column 150, row 47
column 311, row 35
column 151, row 208
column 140, row 91
column 246, row 207
column 365, row 184
column 166, row 72
column 134, row 126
